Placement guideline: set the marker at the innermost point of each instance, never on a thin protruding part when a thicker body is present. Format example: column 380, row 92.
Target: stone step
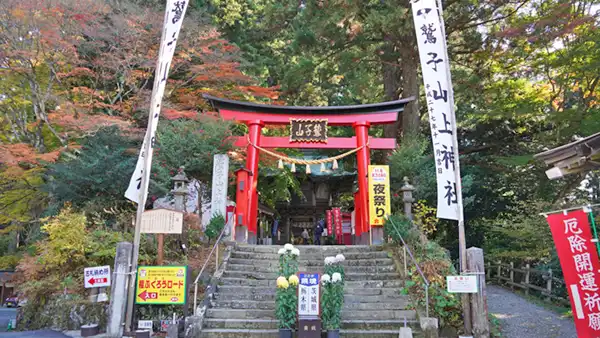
column 248, row 333
column 240, row 314
column 224, row 313
column 275, row 269
column 259, row 324
column 329, row 250
column 309, row 256
column 399, row 304
column 267, row 290
column 367, row 286
column 319, row 263
column 349, row 297
column 350, row 276
column 272, row 324
column 238, row 333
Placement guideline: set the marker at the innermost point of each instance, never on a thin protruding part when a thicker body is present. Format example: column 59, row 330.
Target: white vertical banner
column 175, row 11
column 218, row 201
column 435, row 66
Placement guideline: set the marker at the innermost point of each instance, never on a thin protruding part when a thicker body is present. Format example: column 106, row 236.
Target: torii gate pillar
column 254, row 132
column 363, row 159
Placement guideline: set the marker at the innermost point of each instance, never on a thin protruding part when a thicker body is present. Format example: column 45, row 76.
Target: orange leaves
column 172, row 114
column 268, row 92
column 13, row 154
column 85, row 122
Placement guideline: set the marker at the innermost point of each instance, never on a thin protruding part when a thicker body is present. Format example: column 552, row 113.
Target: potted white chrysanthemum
column 333, row 301
column 286, row 302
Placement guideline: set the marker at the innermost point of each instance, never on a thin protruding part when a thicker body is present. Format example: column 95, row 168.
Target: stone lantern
column 180, row 189
column 407, row 197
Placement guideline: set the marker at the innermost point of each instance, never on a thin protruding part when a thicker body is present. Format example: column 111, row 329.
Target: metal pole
column 195, row 298
column 427, row 300
column 161, row 244
column 591, row 216
column 405, row 263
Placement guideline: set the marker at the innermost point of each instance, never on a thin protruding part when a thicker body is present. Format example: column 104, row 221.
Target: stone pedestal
column 377, row 235
column 429, row 326
column 241, row 234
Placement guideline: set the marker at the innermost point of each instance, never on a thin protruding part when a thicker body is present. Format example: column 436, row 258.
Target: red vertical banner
column 329, row 223
column 337, row 219
column 580, row 265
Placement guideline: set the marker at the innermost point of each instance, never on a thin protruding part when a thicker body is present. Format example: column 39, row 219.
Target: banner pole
column 462, row 241
column 593, row 222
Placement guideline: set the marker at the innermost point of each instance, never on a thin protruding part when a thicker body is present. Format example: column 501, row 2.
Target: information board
column 161, row 285
column 308, row 295
column 461, row 284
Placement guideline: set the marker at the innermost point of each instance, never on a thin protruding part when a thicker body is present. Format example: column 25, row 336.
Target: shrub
column 214, row 227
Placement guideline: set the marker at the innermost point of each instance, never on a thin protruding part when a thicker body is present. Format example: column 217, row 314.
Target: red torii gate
column 256, row 116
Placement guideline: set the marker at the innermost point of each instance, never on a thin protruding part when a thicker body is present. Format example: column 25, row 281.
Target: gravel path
column 521, row 319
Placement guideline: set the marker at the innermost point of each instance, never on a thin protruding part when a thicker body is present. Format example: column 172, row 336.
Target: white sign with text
column 461, row 284
column 96, row 277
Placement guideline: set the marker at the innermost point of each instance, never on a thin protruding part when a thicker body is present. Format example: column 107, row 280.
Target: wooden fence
column 541, row 283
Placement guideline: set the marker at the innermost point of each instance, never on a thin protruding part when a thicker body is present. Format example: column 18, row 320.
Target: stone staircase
column 244, row 304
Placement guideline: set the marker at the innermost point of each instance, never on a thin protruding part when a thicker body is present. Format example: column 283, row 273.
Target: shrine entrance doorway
column 308, row 130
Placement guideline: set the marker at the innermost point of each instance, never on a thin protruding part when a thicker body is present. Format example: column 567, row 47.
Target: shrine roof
column 371, row 108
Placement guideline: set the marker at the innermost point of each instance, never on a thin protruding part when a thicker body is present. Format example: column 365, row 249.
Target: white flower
column 329, row 260
column 295, row 252
column 288, row 247
column 281, row 251
column 326, row 278
column 340, row 258
column 336, row 277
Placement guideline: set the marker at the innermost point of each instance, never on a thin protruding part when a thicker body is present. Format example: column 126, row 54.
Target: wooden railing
column 537, row 282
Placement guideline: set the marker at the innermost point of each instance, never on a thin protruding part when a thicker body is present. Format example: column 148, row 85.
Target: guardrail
column 526, row 278
column 406, row 250
column 215, row 249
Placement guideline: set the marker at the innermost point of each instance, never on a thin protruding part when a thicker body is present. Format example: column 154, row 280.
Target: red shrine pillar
column 240, row 230
column 254, row 133
column 363, row 157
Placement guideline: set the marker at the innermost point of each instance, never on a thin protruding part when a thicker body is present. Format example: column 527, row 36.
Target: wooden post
column 527, row 278
column 512, row 275
column 479, row 311
column 499, row 271
column 2, row 293
column 549, row 284
column 161, row 247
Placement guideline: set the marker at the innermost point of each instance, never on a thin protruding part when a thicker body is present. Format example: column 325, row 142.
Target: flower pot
column 285, row 333
column 333, row 333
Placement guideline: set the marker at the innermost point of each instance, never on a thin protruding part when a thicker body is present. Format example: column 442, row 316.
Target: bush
column 435, row 264
column 214, row 228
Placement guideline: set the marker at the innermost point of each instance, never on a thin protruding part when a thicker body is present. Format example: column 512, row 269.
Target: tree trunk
column 391, row 83
column 410, row 87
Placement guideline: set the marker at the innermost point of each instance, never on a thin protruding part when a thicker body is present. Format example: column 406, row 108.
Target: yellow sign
column 161, row 285
column 379, row 194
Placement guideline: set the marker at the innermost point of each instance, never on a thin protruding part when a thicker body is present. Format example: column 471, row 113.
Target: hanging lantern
column 308, row 169
column 335, row 165
column 280, row 164
column 322, row 167
column 293, row 168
